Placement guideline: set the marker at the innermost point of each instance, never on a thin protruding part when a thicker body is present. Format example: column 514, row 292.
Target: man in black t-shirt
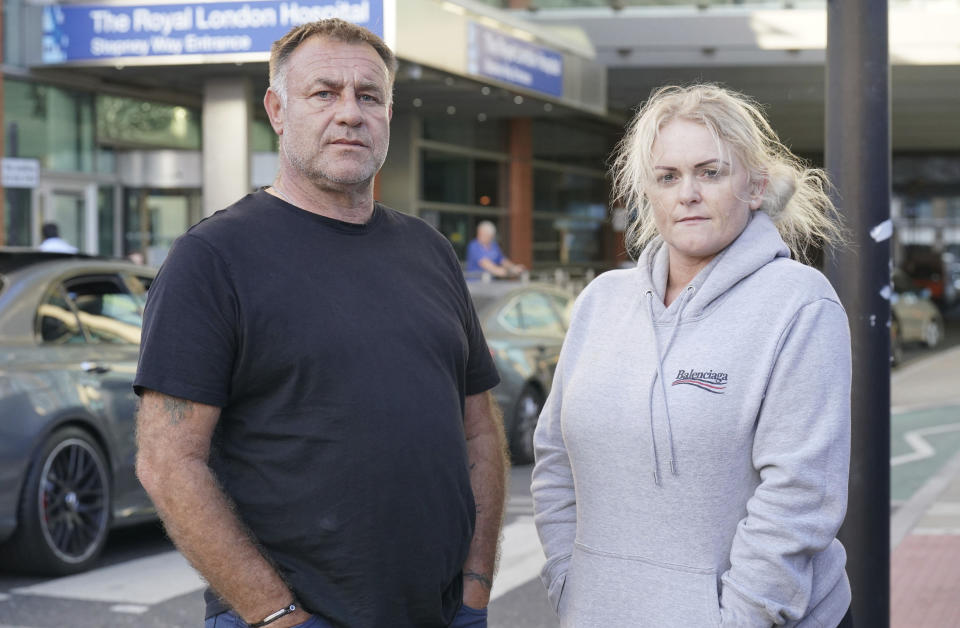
column 316, row 428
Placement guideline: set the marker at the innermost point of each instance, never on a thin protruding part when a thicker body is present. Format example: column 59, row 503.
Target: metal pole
column 858, row 161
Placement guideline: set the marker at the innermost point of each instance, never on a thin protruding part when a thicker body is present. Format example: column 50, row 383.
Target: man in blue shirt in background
column 484, row 254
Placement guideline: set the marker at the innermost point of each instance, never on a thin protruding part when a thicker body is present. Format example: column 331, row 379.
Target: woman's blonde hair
column 795, row 196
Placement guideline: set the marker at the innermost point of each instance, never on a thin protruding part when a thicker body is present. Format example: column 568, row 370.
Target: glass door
column 72, row 206
column 154, row 218
column 68, row 211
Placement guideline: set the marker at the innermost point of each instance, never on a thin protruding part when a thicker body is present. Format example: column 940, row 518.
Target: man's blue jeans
column 470, row 618
column 229, row 619
column 466, row 618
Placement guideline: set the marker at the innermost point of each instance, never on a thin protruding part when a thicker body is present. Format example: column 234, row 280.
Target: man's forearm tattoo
column 177, row 408
column 482, row 578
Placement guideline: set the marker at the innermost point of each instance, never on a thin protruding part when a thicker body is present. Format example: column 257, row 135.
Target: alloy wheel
column 73, row 500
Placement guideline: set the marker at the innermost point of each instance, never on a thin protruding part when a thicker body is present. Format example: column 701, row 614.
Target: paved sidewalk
column 925, row 531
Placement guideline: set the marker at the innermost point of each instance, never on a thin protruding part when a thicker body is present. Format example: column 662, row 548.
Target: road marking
column 144, row 581
column 521, row 557
column 519, row 505
column 132, row 609
column 136, row 585
column 910, row 514
column 944, row 508
column 922, row 448
column 935, row 531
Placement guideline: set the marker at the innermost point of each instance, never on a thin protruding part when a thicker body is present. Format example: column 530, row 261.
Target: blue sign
column 511, row 60
column 111, row 31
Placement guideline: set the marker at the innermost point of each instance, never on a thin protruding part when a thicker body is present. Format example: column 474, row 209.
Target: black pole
column 858, row 161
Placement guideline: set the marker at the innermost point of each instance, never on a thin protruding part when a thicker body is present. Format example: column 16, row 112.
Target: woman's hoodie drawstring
column 684, row 300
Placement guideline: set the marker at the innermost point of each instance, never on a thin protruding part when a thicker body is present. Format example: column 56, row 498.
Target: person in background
column 316, row 427
column 484, row 254
column 52, row 242
column 693, row 455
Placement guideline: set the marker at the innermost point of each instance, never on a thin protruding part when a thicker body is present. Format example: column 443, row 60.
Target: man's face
column 335, row 127
column 485, row 235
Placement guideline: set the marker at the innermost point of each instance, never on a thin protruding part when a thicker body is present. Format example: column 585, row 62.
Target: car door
column 110, row 310
column 537, row 332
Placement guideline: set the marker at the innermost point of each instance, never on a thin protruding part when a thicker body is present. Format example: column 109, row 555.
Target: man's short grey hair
column 486, row 225
column 335, row 29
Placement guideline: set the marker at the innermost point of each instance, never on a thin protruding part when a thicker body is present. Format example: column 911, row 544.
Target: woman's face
column 701, row 198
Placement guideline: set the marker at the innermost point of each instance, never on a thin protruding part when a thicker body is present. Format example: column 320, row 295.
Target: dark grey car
column 69, row 339
column 524, row 324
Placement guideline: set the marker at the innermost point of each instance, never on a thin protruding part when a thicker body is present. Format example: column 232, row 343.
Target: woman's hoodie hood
column 759, row 244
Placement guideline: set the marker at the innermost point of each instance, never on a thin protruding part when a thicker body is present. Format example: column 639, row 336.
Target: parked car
column 69, row 338
column 914, row 317
column 524, row 324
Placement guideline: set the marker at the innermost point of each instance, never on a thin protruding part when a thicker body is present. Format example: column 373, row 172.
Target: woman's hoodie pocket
column 604, row 589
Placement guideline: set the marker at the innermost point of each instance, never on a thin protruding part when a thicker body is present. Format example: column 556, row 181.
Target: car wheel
column 933, row 332
column 525, row 417
column 64, row 508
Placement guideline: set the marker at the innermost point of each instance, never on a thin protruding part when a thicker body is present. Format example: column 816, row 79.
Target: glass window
column 511, row 318
column 68, row 210
column 105, row 237
column 106, row 159
column 263, row 139
column 446, row 178
column 12, row 40
column 538, row 317
column 107, row 312
column 487, row 177
column 461, row 180
column 574, row 142
column 457, row 229
column 57, row 321
column 51, row 124
column 917, row 208
column 16, row 219
column 153, row 219
column 487, row 135
column 953, row 208
column 134, row 122
column 566, row 240
column 564, row 306
column 531, row 313
column 569, row 193
column 145, row 282
column 569, row 210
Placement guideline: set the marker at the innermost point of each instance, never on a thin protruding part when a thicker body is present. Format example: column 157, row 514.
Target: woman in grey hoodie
column 692, row 458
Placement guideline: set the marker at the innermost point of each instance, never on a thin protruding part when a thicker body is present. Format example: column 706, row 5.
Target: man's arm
column 173, row 440
column 513, row 267
column 492, row 267
column 487, row 455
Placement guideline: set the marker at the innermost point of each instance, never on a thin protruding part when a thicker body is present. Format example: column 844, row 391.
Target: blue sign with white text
column 511, row 60
column 111, row 31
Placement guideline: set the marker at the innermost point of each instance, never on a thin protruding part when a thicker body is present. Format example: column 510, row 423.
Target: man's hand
column 173, row 440
column 492, row 267
column 487, row 454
